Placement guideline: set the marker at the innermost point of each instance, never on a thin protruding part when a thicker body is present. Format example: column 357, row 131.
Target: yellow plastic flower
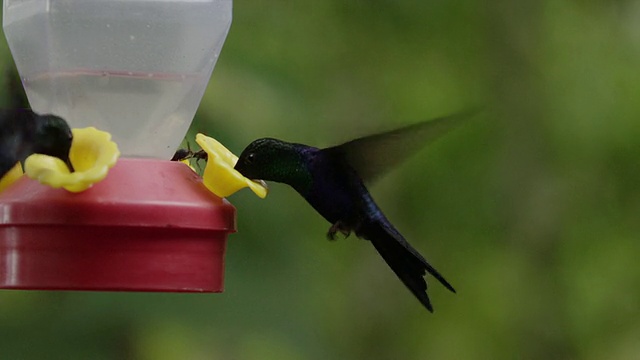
column 219, row 175
column 11, row 176
column 92, row 155
column 188, row 163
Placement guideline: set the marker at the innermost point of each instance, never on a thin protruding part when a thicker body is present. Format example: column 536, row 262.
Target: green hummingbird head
column 275, row 160
column 53, row 137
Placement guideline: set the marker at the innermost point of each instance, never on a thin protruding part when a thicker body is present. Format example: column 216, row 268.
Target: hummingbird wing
column 14, row 126
column 373, row 155
column 405, row 261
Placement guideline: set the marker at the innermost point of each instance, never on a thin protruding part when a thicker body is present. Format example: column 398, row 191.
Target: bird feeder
column 136, row 69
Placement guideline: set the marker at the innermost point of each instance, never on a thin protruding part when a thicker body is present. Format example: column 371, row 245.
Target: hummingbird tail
column 406, row 263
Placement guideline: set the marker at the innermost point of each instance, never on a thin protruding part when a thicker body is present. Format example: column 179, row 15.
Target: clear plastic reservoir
column 135, row 68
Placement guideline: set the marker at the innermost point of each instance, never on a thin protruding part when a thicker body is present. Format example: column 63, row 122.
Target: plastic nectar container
column 137, row 69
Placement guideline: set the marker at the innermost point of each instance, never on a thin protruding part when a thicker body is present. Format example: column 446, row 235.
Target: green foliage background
column 530, row 212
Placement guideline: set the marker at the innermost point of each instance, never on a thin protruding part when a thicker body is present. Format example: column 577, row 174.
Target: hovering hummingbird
column 332, row 180
column 23, row 132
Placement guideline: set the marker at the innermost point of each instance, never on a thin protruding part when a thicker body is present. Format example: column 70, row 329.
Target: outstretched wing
column 373, row 155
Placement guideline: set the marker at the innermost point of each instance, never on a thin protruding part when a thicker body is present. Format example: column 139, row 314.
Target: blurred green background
column 531, row 212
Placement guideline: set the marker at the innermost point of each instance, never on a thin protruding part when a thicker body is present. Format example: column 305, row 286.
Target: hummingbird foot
column 339, row 226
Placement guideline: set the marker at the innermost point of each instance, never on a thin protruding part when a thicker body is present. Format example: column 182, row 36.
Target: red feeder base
column 151, row 225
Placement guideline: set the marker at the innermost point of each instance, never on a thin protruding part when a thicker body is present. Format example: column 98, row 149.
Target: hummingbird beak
column 69, row 165
column 262, row 183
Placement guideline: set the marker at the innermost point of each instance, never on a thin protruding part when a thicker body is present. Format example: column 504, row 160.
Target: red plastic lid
column 151, row 225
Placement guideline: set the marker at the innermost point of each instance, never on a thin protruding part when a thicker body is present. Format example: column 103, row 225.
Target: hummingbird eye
column 250, row 158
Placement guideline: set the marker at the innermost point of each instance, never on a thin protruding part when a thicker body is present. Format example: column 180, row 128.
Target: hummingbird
column 332, row 180
column 24, row 132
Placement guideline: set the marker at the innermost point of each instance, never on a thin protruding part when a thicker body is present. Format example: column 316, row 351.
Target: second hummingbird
column 332, row 180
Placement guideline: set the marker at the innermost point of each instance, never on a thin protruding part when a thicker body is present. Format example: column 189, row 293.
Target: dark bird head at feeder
column 24, row 133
